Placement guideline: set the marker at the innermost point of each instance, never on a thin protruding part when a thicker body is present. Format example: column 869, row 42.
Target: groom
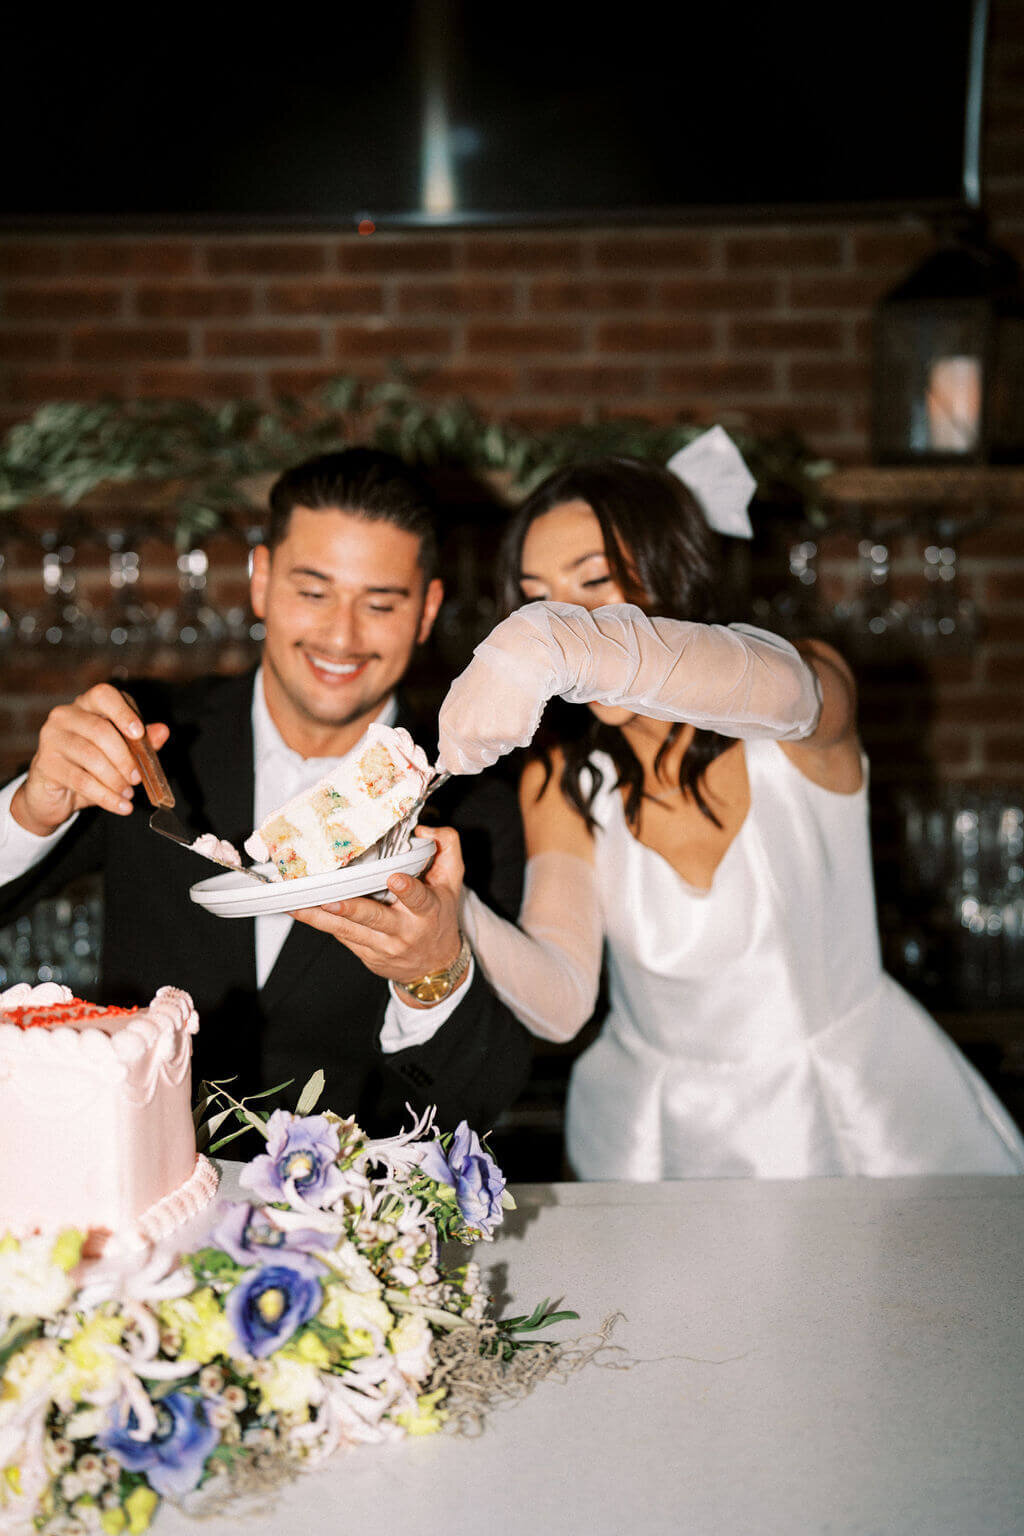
column 387, row 999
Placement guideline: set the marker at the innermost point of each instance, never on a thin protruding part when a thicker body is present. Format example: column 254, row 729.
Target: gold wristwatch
column 436, row 985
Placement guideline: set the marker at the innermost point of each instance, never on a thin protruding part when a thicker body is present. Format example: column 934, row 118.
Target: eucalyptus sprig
column 507, row 1339
column 206, row 455
column 214, row 1096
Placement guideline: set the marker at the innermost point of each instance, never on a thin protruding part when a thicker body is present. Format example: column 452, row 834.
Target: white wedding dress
column 752, row 1031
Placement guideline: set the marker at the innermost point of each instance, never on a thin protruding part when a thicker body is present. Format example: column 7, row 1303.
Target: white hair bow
column 712, row 467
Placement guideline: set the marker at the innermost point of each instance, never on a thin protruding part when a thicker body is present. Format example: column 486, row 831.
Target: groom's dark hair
column 366, row 482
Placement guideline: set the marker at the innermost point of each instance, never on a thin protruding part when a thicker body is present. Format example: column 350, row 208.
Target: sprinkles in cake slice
column 348, row 810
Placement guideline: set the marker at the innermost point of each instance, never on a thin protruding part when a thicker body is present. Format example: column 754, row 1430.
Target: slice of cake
column 95, row 1116
column 328, row 826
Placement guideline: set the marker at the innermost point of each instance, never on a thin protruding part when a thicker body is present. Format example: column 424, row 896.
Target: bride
column 704, row 821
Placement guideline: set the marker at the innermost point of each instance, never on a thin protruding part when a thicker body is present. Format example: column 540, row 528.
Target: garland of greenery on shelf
column 66, row 451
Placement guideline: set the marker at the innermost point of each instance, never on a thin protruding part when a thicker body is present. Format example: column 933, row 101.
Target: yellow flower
column 203, row 1325
column 408, row 1332
column 308, row 1350
column 139, row 1507
column 39, row 1364
column 287, row 1386
column 427, row 1418
column 67, row 1250
column 365, row 1319
column 12, row 1476
column 93, row 1366
column 113, row 1521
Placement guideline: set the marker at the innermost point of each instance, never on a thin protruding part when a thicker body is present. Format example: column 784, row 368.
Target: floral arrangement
column 316, row 1316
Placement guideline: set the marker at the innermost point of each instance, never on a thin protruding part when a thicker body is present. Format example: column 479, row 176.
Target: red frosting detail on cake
column 77, row 1011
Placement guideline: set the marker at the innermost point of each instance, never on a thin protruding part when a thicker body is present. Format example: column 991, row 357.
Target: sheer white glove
column 737, row 680
column 547, row 969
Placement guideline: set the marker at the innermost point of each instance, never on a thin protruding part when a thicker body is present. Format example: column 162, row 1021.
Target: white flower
column 477, row 1309
column 135, row 1275
column 351, row 1413
column 219, row 1415
column 402, row 1273
column 22, row 1446
column 31, row 1284
column 58, row 1453
column 32, row 1375
column 211, row 1380
column 401, row 1153
column 90, row 1470
column 410, row 1341
column 354, row 1268
column 71, row 1486
column 85, row 1423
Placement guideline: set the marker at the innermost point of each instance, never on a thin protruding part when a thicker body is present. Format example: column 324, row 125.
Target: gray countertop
column 839, row 1356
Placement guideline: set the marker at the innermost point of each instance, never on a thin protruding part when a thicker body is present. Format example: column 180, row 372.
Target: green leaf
column 540, row 1317
column 310, row 1095
column 225, row 1141
column 214, row 1261
column 268, row 1093
column 215, row 1122
column 20, row 1332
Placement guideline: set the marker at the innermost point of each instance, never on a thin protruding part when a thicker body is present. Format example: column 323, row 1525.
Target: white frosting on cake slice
column 95, row 1115
column 328, row 826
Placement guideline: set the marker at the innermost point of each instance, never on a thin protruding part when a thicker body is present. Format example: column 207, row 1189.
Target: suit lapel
column 217, row 791
column 303, row 952
column 223, row 759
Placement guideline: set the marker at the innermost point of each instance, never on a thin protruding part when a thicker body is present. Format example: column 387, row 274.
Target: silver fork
column 399, row 837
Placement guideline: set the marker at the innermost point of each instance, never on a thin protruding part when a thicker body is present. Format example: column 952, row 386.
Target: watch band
column 436, row 985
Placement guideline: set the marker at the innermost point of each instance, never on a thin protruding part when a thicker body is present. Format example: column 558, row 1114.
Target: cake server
column 161, row 796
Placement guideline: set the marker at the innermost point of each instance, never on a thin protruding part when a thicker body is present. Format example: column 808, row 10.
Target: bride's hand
column 495, row 704
column 737, row 680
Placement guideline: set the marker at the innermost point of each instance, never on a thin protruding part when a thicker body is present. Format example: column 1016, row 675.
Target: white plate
column 234, row 895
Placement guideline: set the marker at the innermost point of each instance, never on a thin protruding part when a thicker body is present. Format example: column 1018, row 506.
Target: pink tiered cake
column 95, row 1116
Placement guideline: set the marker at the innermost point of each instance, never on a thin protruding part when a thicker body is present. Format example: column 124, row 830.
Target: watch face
column 437, row 984
column 432, row 990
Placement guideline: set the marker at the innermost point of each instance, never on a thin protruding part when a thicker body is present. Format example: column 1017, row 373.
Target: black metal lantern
column 949, row 360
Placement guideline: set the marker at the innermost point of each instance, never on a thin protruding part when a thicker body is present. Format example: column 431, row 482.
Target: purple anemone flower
column 301, row 1152
column 172, row 1459
column 473, row 1174
column 246, row 1233
column 270, row 1303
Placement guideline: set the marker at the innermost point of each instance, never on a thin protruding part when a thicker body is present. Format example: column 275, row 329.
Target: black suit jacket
column 320, row 1007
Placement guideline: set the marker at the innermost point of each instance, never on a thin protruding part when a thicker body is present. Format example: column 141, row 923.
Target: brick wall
column 770, row 325
column 765, row 325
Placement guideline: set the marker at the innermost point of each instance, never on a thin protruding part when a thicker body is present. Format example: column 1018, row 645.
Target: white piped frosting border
column 181, row 1204
column 153, row 1044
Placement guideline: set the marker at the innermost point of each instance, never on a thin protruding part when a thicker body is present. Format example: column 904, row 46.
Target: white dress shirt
column 280, row 773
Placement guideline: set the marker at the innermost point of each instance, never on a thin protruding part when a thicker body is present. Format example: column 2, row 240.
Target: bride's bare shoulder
column 549, row 819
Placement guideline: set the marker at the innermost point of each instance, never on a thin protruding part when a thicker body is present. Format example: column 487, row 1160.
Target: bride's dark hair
column 665, row 558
